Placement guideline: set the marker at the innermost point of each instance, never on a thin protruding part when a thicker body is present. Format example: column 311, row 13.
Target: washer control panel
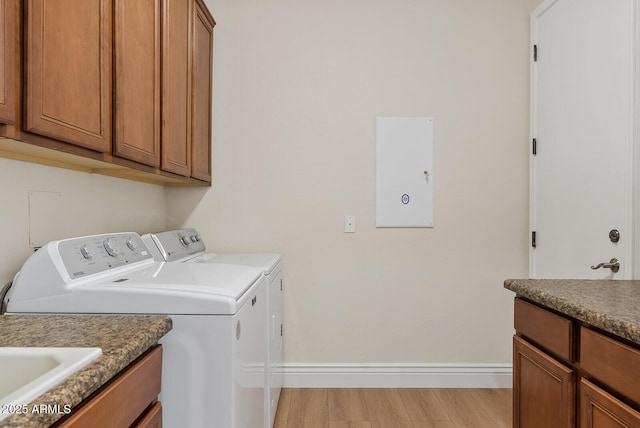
column 99, row 253
column 177, row 244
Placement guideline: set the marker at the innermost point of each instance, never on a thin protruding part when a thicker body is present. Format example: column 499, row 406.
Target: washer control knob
column 198, row 238
column 85, row 252
column 193, row 238
column 110, row 248
column 184, row 240
column 132, row 245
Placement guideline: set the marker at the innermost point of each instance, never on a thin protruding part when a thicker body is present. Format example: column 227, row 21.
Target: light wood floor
column 391, row 408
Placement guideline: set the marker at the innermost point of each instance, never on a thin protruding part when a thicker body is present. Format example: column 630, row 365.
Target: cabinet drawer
column 152, row 419
column 598, row 408
column 124, row 399
column 611, row 362
column 548, row 330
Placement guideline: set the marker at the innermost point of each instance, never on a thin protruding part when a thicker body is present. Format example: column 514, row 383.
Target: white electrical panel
column 404, row 172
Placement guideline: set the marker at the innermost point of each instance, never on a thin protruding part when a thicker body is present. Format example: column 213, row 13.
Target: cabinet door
column 543, row 389
column 8, row 56
column 121, row 402
column 176, row 87
column 137, row 80
column 203, row 25
column 598, row 409
column 68, row 57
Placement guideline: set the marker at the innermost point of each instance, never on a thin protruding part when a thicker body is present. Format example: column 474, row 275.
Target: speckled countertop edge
column 613, row 306
column 122, row 339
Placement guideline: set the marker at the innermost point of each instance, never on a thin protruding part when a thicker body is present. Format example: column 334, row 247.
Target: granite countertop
column 613, row 306
column 122, row 339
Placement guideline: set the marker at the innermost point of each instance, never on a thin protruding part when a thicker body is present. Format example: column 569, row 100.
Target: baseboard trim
column 398, row 376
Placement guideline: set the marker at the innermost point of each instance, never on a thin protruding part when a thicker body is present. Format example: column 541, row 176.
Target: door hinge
column 280, row 284
column 533, row 239
column 280, row 330
column 535, row 53
column 535, row 147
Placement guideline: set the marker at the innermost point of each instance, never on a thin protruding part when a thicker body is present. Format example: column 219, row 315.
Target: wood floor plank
column 391, row 408
column 282, row 412
column 349, row 424
column 347, row 404
column 493, row 401
column 463, row 409
column 308, row 408
column 423, row 404
column 386, row 409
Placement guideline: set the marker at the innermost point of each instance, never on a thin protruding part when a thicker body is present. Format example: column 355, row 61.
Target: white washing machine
column 214, row 358
column 186, row 245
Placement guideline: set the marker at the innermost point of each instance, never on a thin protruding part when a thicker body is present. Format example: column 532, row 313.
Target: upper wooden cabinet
column 187, row 53
column 68, row 71
column 176, row 86
column 116, row 87
column 9, row 25
column 203, row 24
column 137, row 80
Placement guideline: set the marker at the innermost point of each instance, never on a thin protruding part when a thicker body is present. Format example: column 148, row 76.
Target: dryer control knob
column 193, row 238
column 184, row 240
column 110, row 248
column 85, row 252
column 132, row 245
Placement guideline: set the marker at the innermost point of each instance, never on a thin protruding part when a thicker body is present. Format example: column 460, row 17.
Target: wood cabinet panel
column 152, row 419
column 598, row 409
column 68, row 71
column 203, row 25
column 9, row 55
column 120, row 403
column 176, row 87
column 543, row 390
column 548, row 330
column 137, row 80
column 611, row 362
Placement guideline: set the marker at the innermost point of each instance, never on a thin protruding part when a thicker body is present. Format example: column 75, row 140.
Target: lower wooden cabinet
column 128, row 400
column 544, row 389
column 599, row 409
column 566, row 374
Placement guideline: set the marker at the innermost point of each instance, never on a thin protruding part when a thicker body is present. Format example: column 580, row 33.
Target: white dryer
column 214, row 358
column 186, row 245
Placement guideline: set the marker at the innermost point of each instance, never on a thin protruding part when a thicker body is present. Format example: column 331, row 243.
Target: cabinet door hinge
column 533, row 239
column 535, row 53
column 280, row 284
column 280, row 329
column 535, row 146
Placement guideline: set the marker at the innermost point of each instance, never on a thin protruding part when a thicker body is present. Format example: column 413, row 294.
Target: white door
column 581, row 119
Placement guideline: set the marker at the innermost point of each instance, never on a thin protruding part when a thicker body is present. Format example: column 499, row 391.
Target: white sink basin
column 26, row 373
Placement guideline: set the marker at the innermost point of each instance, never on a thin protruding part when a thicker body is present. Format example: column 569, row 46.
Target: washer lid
column 223, row 280
column 163, row 288
column 266, row 262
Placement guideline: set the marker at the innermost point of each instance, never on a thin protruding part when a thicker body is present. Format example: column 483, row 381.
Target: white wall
column 297, row 87
column 88, row 204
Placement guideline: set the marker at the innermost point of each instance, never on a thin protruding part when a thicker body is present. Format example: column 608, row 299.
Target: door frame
column 632, row 164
